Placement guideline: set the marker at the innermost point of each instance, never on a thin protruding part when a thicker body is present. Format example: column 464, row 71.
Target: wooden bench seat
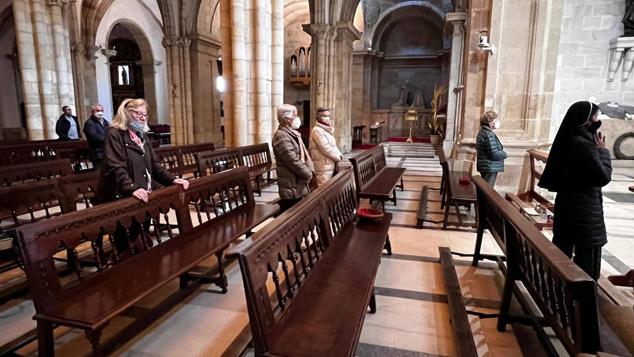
column 309, row 275
column 564, row 294
column 92, row 304
column 177, row 231
column 375, row 180
column 338, row 282
column 455, row 193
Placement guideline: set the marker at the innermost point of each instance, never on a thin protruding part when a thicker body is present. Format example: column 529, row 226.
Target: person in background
column 130, row 168
column 67, row 126
column 95, row 129
column 490, row 151
column 323, row 147
column 578, row 166
column 295, row 168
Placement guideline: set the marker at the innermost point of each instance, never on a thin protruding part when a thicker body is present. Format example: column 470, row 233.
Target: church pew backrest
column 41, row 241
column 29, row 202
column 188, row 157
column 215, row 195
column 282, row 256
column 78, row 189
column 378, row 152
column 218, row 161
column 34, row 151
column 169, row 157
column 257, row 157
column 43, row 170
column 565, row 294
column 364, row 168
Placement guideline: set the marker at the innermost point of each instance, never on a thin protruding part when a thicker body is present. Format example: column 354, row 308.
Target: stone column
column 320, row 59
column 277, row 59
column 44, row 51
column 262, row 48
column 454, row 96
column 346, row 35
column 180, row 94
column 206, row 120
column 331, row 70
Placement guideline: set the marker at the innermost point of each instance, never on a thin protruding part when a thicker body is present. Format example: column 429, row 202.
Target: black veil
column 558, row 167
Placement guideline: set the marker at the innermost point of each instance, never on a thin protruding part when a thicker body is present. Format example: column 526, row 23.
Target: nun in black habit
column 578, row 166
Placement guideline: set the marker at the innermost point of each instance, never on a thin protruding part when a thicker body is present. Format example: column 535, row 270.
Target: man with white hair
column 95, row 129
column 295, row 168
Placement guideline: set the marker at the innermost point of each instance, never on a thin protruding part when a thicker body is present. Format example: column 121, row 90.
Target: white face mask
column 497, row 124
column 325, row 120
column 99, row 115
column 296, row 123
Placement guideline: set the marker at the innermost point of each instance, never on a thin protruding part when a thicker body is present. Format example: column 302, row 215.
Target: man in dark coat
column 67, row 126
column 578, row 166
column 95, row 129
column 490, row 152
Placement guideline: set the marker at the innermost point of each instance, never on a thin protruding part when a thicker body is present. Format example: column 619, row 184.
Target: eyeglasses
column 141, row 114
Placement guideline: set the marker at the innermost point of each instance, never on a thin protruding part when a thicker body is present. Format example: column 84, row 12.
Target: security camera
column 484, row 41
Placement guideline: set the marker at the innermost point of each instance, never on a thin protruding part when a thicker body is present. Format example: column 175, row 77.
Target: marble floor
column 412, row 316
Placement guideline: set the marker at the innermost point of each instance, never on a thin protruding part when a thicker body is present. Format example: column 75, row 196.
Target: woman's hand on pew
column 141, row 194
column 182, row 182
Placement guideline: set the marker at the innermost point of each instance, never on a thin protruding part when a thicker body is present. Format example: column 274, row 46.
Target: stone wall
column 582, row 65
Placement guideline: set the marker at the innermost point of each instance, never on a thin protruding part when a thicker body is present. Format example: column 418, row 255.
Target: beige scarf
column 303, row 152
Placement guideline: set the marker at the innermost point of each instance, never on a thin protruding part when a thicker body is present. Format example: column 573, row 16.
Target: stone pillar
column 454, row 93
column 44, row 51
column 206, row 108
column 277, row 59
column 149, row 86
column 248, row 32
column 346, row 35
column 180, row 93
column 331, row 70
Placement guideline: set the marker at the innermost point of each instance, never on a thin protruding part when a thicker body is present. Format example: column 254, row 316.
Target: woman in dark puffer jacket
column 490, row 152
column 578, row 166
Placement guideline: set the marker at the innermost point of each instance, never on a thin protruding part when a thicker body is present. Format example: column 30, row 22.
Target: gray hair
column 94, row 106
column 285, row 112
column 321, row 111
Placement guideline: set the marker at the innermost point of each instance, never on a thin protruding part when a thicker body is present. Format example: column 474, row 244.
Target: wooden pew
column 34, row 171
column 188, row 158
column 224, row 159
column 165, row 241
column 169, row 157
column 527, row 200
column 34, row 151
column 258, row 159
column 321, row 265
column 381, row 165
column 453, row 192
column 565, row 295
column 376, row 183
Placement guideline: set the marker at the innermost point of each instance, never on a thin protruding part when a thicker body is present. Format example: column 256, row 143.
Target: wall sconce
column 484, row 43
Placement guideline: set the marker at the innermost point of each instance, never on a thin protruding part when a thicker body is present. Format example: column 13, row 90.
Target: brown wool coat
column 124, row 167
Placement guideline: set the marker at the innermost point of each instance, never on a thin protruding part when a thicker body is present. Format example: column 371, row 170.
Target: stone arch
column 148, row 34
column 430, row 11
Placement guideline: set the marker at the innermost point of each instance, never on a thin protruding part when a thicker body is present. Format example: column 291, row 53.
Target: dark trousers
column 489, row 177
column 587, row 258
column 285, row 205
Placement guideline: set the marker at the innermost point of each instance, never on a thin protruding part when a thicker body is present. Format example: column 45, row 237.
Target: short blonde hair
column 123, row 117
column 285, row 112
column 488, row 117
